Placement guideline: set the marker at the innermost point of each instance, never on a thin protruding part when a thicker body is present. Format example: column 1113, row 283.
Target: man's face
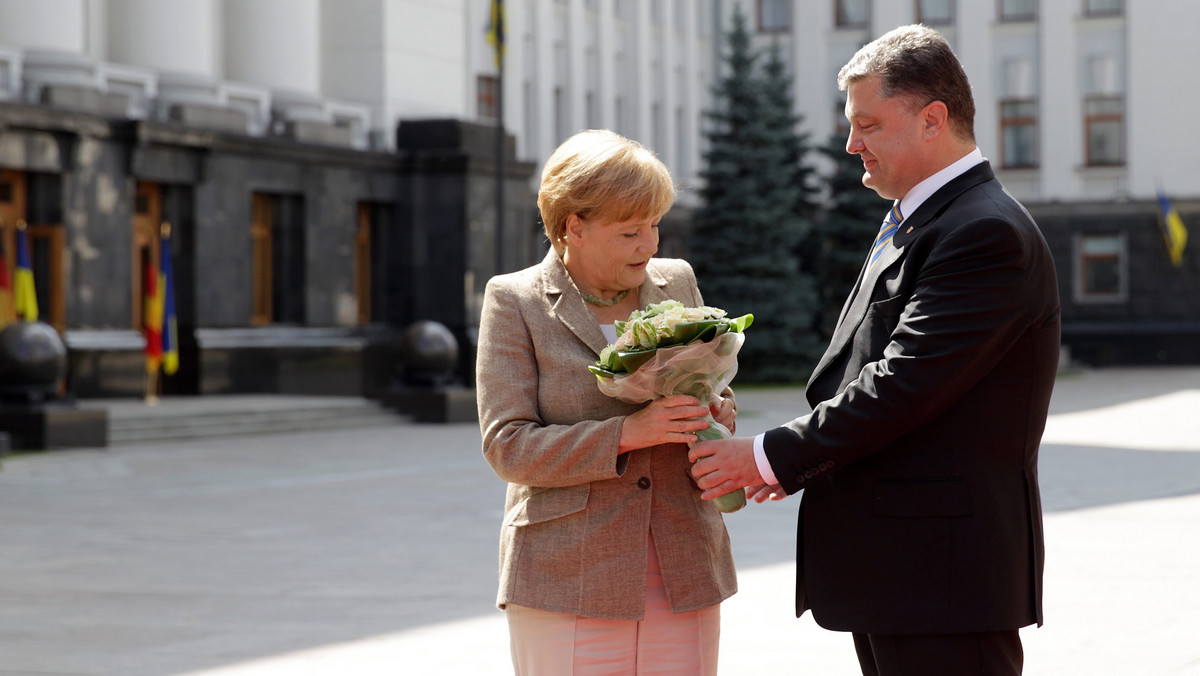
column 889, row 137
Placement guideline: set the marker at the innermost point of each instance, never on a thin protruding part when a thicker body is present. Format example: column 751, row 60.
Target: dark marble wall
column 434, row 236
column 1158, row 319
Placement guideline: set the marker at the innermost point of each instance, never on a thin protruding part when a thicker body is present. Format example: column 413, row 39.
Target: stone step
column 210, row 417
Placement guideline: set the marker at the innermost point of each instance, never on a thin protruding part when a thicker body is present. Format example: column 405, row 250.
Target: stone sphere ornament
column 33, row 358
column 428, row 354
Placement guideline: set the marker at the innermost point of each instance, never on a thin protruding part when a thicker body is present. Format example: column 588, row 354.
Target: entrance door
column 47, row 244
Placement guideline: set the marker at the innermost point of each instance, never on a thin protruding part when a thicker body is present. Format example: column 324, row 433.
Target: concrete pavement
column 373, row 551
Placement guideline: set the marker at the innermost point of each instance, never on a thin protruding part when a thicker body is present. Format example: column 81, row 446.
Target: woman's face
column 610, row 255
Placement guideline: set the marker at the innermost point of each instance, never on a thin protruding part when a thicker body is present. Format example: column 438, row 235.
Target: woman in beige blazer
column 610, row 562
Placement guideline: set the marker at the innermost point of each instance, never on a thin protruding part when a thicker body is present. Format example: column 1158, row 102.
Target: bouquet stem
column 730, row 502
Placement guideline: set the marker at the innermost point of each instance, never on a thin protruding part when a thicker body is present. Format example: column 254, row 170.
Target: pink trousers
column 545, row 643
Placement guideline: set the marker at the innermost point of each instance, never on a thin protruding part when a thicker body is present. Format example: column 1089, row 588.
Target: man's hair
column 599, row 174
column 916, row 62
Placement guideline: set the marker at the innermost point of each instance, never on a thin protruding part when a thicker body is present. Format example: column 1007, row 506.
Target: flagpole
column 498, row 17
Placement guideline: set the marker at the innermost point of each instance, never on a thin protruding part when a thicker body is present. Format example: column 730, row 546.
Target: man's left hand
column 724, row 466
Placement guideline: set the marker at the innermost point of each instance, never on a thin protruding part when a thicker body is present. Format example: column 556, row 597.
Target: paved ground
column 373, row 551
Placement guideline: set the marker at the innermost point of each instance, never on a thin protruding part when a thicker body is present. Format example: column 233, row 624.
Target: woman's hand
column 724, row 411
column 670, row 420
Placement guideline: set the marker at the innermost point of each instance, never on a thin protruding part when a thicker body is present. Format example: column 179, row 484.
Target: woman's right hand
column 670, row 420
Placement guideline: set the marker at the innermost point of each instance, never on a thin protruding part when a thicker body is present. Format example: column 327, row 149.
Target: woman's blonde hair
column 599, row 174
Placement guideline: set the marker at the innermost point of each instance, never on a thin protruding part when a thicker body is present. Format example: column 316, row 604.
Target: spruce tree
column 753, row 219
column 844, row 231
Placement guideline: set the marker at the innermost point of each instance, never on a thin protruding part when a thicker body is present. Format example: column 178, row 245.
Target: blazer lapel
column 654, row 287
column 567, row 304
column 856, row 306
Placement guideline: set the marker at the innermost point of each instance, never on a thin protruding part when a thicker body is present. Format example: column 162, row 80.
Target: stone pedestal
column 54, row 425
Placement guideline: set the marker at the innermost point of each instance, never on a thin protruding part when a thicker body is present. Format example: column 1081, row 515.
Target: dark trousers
column 995, row 653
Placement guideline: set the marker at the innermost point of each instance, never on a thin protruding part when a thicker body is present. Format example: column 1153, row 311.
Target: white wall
column 1164, row 95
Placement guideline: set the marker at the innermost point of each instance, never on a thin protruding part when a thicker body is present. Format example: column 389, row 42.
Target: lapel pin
column 909, row 230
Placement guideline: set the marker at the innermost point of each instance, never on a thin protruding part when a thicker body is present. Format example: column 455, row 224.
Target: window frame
column 1031, row 121
column 1004, row 17
column 1090, row 11
column 919, row 12
column 1081, row 259
column 781, row 27
column 1090, row 119
column 840, row 20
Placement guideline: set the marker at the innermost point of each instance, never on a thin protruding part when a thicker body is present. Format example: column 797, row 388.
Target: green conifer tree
column 755, row 216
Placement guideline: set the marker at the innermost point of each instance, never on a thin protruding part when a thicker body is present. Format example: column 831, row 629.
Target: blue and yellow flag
column 166, row 285
column 1174, row 232
column 25, row 299
column 496, row 31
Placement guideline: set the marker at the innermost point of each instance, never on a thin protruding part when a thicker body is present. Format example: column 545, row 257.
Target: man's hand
column 763, row 492
column 724, row 466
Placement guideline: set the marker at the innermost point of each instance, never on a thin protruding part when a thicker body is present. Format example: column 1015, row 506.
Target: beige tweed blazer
column 577, row 515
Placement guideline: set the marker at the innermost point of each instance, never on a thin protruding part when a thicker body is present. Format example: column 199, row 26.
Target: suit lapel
column 856, row 306
column 568, row 305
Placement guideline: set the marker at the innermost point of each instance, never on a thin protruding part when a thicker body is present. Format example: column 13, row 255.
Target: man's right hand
column 763, row 492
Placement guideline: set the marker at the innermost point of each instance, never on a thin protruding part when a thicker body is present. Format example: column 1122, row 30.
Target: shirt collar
column 923, row 190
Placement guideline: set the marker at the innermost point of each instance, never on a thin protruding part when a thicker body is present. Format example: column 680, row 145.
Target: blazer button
column 644, row 483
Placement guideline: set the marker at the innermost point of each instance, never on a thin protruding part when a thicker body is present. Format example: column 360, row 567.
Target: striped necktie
column 890, row 224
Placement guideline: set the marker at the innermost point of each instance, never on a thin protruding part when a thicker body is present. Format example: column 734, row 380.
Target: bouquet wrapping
column 672, row 349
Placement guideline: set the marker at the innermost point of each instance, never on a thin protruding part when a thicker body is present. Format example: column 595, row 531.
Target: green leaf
column 741, row 323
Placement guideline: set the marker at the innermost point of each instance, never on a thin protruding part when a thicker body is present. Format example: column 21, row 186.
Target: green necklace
column 596, row 300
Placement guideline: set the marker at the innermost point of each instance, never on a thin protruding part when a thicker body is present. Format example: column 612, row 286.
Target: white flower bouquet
column 669, row 348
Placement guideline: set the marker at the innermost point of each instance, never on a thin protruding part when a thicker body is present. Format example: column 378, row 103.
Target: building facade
column 328, row 167
column 1079, row 108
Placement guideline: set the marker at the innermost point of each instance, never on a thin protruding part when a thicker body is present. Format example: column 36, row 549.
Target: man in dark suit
column 920, row 524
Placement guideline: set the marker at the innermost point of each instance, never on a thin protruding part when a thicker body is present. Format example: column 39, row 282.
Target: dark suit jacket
column 921, row 511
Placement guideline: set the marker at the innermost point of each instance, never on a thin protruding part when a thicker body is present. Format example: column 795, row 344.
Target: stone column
column 166, row 35
column 274, row 43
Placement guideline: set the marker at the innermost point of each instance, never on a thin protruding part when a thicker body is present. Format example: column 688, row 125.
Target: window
column 852, row 13
column 1103, row 7
column 657, row 129
column 277, row 260
column 561, row 125
column 683, row 167
column 487, row 97
column 1018, row 133
column 1104, row 130
column 590, row 109
column 841, row 126
column 1018, row 10
column 774, row 16
column 1100, row 265
column 935, row 12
